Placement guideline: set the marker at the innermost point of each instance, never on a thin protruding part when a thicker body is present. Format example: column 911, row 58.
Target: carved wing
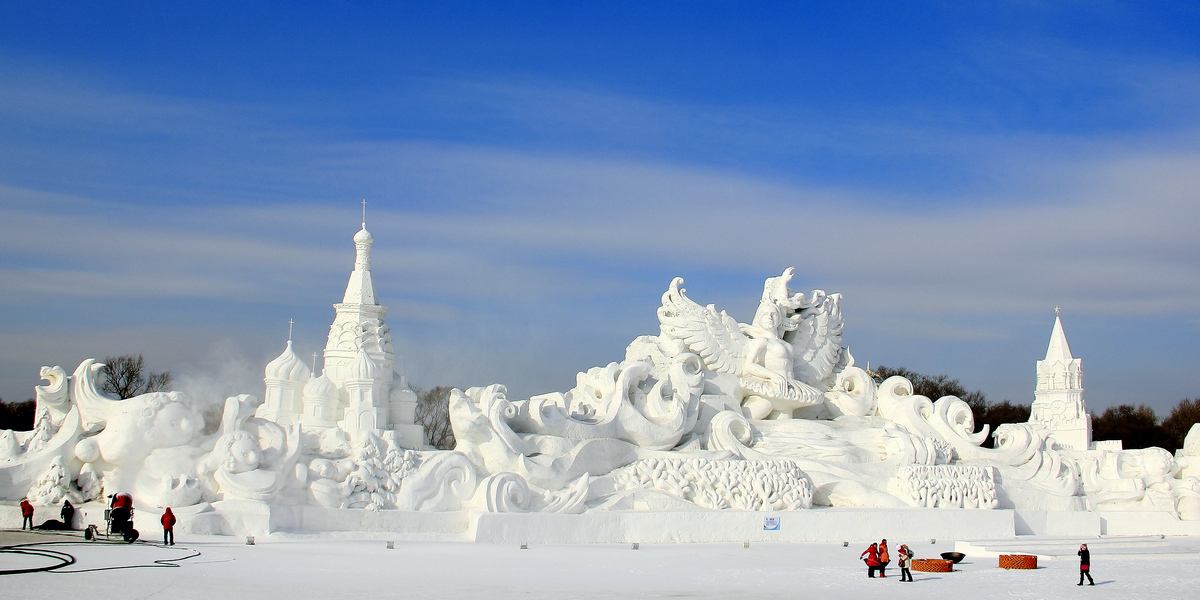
column 712, row 334
column 817, row 342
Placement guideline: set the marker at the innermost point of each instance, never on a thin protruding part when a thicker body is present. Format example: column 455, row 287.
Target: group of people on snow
column 67, row 514
column 878, row 558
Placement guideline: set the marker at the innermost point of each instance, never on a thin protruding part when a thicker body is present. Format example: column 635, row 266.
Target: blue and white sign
column 771, row 523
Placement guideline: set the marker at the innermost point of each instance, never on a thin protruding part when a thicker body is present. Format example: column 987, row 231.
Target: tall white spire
column 360, row 363
column 361, row 289
column 1058, row 398
column 1059, row 349
column 358, row 318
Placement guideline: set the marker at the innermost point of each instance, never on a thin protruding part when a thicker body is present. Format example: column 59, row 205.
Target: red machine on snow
column 119, row 519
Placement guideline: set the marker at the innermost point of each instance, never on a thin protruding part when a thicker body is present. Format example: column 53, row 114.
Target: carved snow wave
column 721, row 484
column 623, row 401
column 509, row 492
column 1020, row 450
column 614, row 415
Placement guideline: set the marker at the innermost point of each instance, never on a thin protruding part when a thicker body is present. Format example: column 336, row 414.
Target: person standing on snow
column 871, row 556
column 26, row 514
column 168, row 523
column 1085, row 565
column 68, row 514
column 904, row 560
column 884, row 558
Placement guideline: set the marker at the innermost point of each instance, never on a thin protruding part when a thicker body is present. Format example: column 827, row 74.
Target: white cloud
column 523, row 262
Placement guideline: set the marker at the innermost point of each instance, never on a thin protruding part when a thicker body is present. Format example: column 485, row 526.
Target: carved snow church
column 359, row 389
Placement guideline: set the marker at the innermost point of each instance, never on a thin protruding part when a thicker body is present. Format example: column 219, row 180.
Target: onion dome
column 287, row 367
column 320, row 388
column 363, row 236
column 363, row 368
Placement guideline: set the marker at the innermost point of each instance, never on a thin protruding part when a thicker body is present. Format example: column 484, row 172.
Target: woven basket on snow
column 932, row 565
column 1018, row 561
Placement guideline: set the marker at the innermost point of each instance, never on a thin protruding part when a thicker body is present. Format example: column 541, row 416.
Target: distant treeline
column 17, row 416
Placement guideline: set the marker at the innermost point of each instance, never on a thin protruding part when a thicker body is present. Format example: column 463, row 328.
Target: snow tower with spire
column 359, row 390
column 1058, row 398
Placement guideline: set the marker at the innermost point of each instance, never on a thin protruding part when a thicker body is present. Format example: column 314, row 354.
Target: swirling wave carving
column 444, row 481
column 1020, row 450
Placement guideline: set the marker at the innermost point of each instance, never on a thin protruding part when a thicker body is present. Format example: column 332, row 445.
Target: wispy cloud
column 524, row 259
column 1122, row 227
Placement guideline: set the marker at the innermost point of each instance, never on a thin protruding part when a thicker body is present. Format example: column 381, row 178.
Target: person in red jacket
column 26, row 514
column 871, row 555
column 884, row 558
column 168, row 523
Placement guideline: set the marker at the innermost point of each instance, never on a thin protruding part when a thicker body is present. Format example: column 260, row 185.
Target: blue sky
column 181, row 180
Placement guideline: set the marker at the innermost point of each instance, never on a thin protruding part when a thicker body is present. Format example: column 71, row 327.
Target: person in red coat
column 26, row 514
column 168, row 523
column 871, row 555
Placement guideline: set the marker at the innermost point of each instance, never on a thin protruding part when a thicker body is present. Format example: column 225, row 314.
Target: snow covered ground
column 294, row 567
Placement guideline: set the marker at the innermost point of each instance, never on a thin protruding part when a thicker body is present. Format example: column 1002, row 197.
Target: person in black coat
column 68, row 514
column 1085, row 565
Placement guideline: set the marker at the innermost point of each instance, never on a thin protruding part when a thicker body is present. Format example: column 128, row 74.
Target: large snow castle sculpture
column 710, row 414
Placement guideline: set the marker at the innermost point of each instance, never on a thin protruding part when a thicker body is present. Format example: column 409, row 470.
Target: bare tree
column 1180, row 421
column 17, row 416
column 983, row 411
column 433, row 413
column 126, row 376
column 1135, row 426
column 996, row 414
column 936, row 386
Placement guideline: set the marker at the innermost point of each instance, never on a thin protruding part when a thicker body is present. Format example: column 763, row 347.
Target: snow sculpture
column 53, row 486
column 320, row 403
column 285, row 377
column 945, row 485
column 145, row 445
column 710, row 414
column 767, row 485
column 1188, row 456
column 1058, row 399
column 253, row 457
column 762, row 362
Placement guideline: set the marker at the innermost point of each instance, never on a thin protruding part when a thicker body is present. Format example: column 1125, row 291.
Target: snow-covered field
column 291, row 567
